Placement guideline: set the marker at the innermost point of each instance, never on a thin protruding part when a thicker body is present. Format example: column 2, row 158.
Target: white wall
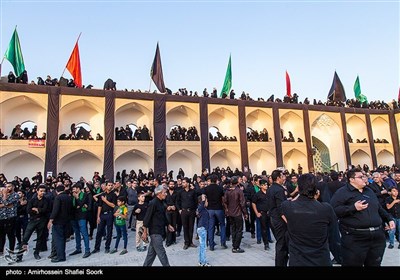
column 361, row 158
column 135, row 161
column 262, row 160
column 80, row 164
column 293, row 158
column 20, row 163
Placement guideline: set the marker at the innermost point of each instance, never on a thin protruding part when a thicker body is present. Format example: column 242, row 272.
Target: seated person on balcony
column 99, row 137
column 16, row 132
column 138, row 134
column 34, row 132
column 349, row 138
column 128, row 132
column 83, row 134
column 299, row 139
column 11, row 77
column 291, row 138
column 264, row 135
column 2, row 136
column 26, row 133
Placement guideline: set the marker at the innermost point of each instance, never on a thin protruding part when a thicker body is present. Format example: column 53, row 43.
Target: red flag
column 74, row 66
column 288, row 88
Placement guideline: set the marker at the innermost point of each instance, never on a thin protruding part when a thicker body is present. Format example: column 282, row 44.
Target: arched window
column 133, row 127
column 213, row 130
column 28, row 124
column 86, row 126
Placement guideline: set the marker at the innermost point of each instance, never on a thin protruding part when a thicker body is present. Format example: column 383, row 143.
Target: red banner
column 36, row 143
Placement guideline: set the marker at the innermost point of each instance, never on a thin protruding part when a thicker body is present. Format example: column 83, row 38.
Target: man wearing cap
column 154, row 224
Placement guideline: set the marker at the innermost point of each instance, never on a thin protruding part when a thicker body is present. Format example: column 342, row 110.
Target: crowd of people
column 180, row 133
column 111, row 85
column 19, row 133
column 126, row 133
column 323, row 213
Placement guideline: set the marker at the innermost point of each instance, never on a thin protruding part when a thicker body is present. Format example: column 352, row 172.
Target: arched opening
column 80, row 163
column 133, row 114
column 259, row 120
column 20, row 109
column 327, row 131
column 81, row 112
column 28, row 124
column 356, row 128
column 321, row 157
column 225, row 158
column 385, row 157
column 293, row 158
column 292, row 122
column 359, row 157
column 185, row 159
column 225, row 121
column 133, row 160
column 262, row 160
column 20, row 163
column 182, row 115
column 381, row 130
column 213, row 131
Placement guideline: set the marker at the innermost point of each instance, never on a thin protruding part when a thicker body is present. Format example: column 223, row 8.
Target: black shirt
column 143, row 209
column 62, row 209
column 156, row 219
column 308, row 222
column 395, row 210
column 276, row 195
column 171, row 198
column 187, row 200
column 214, row 195
column 260, row 199
column 111, row 197
column 41, row 204
column 343, row 203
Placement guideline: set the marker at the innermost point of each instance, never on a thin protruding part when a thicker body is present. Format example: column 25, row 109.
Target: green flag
column 228, row 81
column 14, row 54
column 357, row 92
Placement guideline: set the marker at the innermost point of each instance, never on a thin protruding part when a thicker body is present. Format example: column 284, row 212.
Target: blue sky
column 309, row 39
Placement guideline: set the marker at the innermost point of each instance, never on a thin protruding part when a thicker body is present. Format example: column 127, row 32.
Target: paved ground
column 254, row 256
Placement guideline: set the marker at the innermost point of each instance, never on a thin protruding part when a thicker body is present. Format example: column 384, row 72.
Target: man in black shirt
column 216, row 212
column 360, row 220
column 276, row 195
column 38, row 208
column 187, row 205
column 60, row 217
column 308, row 222
column 154, row 224
column 260, row 207
column 105, row 218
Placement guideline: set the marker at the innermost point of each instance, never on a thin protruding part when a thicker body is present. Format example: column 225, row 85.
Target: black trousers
column 237, row 231
column 279, row 229
column 172, row 216
column 7, row 228
column 362, row 248
column 39, row 225
column 187, row 217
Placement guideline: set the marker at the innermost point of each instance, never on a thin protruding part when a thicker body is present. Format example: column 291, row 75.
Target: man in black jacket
column 59, row 218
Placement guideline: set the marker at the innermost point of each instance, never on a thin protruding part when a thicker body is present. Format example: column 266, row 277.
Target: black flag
column 156, row 73
column 336, row 93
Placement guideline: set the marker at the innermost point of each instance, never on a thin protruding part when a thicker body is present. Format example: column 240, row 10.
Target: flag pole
column 1, row 64
column 67, row 63
column 150, row 85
